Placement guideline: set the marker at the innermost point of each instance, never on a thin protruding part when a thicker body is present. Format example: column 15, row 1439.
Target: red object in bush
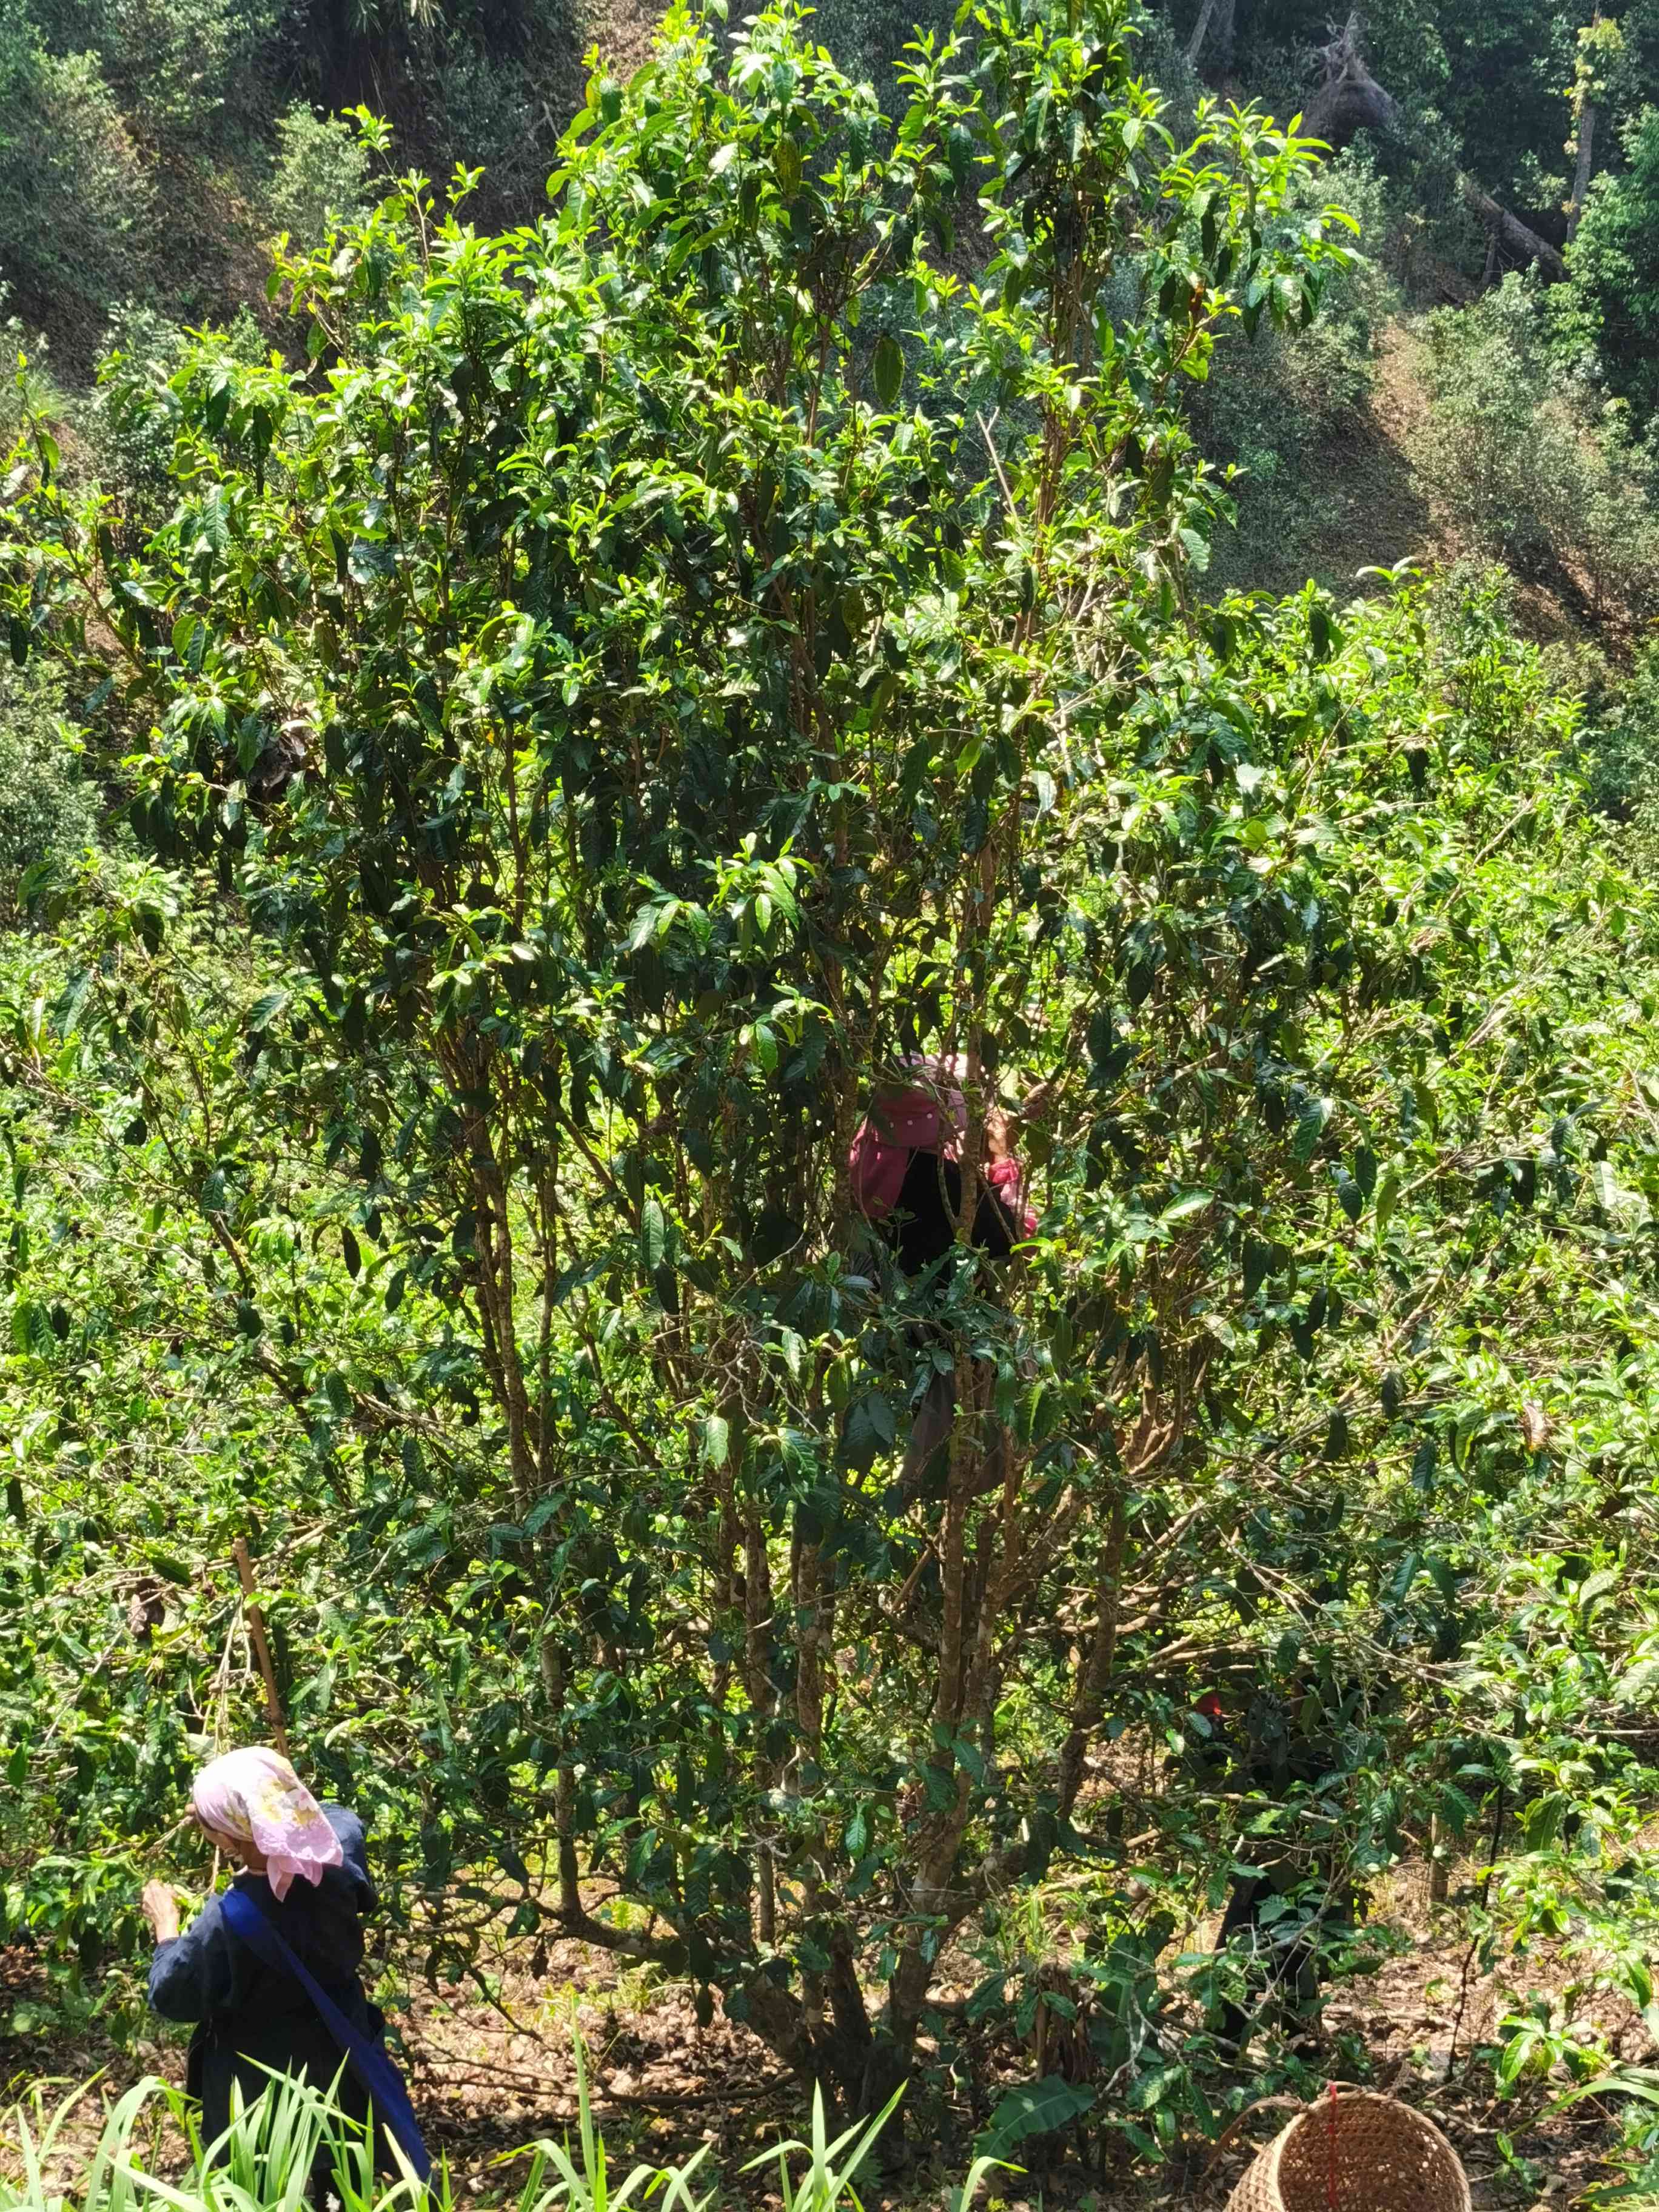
column 896, row 1129
column 901, row 1123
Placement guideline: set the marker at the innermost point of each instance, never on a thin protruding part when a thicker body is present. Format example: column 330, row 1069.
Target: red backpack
column 899, row 1125
column 905, row 1120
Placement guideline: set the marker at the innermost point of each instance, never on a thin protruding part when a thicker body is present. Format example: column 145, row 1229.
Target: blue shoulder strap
column 375, row 2070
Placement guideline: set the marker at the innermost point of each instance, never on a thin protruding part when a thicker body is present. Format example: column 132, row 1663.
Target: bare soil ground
column 1363, row 503
column 1372, row 508
column 1360, row 504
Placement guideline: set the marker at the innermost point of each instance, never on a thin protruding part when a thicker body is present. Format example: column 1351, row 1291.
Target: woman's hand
column 999, row 1139
column 161, row 1908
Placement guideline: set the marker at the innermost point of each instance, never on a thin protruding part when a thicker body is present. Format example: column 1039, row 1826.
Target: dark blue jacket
column 247, row 2016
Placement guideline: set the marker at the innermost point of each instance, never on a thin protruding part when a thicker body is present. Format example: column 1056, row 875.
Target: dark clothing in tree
column 249, row 2017
column 1285, row 1957
column 922, row 1226
column 922, row 1229
column 1267, row 1751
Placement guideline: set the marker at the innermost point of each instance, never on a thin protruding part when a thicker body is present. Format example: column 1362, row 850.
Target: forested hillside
column 575, row 634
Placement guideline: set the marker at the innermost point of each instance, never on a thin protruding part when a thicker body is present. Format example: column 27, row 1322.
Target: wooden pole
column 256, row 1621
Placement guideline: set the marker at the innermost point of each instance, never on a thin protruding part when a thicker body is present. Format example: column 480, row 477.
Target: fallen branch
column 1509, row 231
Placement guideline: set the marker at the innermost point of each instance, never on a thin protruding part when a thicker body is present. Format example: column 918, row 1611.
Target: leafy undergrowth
column 546, row 2040
column 273, row 2154
column 1367, row 494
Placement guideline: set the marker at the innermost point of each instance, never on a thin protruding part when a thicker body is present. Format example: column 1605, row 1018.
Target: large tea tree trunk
column 712, row 632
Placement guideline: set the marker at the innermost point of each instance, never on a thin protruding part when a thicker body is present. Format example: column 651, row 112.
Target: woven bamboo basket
column 1355, row 2152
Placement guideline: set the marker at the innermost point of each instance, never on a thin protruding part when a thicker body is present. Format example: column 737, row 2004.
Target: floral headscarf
column 256, row 1796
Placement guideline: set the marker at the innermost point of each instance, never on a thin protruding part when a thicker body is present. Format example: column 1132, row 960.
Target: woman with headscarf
column 304, row 1874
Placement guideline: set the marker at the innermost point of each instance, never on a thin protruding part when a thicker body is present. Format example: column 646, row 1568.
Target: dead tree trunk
column 1221, row 13
column 1350, row 99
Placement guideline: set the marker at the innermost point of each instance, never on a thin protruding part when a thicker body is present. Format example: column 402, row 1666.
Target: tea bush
column 77, row 198
column 1607, row 315
column 47, row 812
column 321, row 176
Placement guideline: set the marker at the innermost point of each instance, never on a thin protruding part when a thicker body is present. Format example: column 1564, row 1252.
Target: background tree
column 1608, row 314
column 1601, row 49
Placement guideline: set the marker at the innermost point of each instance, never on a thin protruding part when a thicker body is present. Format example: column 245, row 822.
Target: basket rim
column 1267, row 2162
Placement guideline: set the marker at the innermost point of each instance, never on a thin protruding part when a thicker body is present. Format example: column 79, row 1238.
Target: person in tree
column 304, row 1872
column 907, row 1180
